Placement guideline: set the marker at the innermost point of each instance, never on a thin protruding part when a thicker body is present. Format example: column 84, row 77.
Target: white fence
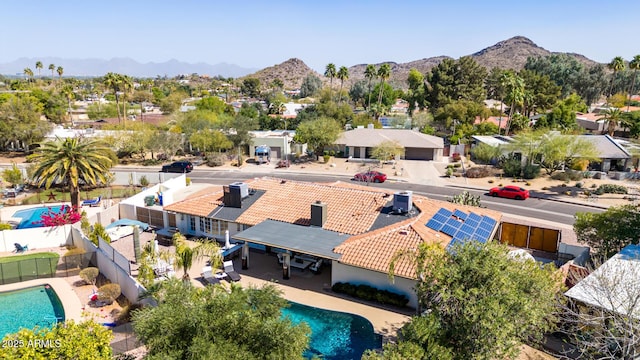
column 123, row 177
column 35, row 238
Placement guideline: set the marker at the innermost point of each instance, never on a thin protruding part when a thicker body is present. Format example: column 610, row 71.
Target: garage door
column 275, row 152
column 418, row 154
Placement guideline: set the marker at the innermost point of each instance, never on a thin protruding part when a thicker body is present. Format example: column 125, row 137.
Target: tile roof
column 494, row 120
column 351, row 209
column 375, row 249
column 373, row 137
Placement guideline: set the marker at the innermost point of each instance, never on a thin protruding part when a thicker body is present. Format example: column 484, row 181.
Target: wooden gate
column 529, row 237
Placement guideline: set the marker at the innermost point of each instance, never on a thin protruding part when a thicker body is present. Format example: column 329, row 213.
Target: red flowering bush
column 66, row 215
column 456, row 156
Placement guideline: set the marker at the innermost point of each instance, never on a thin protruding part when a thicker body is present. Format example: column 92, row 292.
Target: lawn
column 28, row 267
column 60, row 195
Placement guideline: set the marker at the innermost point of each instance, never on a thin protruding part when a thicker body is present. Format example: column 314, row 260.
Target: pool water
column 30, row 217
column 30, row 307
column 334, row 335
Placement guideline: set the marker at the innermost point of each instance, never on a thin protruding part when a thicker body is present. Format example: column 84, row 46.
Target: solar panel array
column 462, row 226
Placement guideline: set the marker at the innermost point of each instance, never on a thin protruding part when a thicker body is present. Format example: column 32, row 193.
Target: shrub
column 593, row 186
column 511, row 167
column 151, row 162
column 370, row 293
column 144, row 181
column 528, row 183
column 567, row 176
column 5, row 226
column 578, row 185
column 89, row 275
column 530, row 171
column 326, row 158
column 611, row 189
column 108, row 293
column 216, row 160
column 580, row 165
column 455, row 156
column 449, row 172
column 457, row 165
column 478, row 172
column 490, row 181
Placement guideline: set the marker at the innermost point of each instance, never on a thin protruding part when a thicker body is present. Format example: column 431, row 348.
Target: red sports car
column 510, row 191
column 370, row 176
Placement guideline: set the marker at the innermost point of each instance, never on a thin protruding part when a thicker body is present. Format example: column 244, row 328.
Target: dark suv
column 178, row 167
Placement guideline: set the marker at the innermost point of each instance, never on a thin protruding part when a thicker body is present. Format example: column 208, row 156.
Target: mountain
column 99, row 67
column 291, row 72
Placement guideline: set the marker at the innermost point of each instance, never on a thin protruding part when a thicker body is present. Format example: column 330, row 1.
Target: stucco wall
column 354, row 275
column 35, row 238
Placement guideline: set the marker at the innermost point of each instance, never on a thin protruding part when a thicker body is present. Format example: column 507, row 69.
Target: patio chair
column 92, row 202
column 20, row 248
column 207, row 274
column 232, row 275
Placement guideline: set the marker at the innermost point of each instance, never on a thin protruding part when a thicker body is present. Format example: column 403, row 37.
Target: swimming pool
column 30, row 217
column 29, row 307
column 334, row 335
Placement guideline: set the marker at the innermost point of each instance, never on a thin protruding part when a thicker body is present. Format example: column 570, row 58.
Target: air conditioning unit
column 244, row 188
column 402, row 201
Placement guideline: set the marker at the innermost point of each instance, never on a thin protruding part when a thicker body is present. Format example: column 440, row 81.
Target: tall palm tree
column 384, row 72
column 38, row 67
column 330, row 72
column 73, row 160
column 127, row 86
column 28, row 73
column 185, row 254
column 633, row 65
column 343, row 74
column 614, row 117
column 616, row 65
column 515, row 88
column 67, row 91
column 60, row 71
column 112, row 81
column 370, row 73
column 52, row 68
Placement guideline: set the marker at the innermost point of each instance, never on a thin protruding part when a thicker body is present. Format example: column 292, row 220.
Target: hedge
column 369, row 293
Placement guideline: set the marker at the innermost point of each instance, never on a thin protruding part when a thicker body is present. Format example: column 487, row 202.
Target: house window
column 238, row 227
column 205, row 225
column 192, row 223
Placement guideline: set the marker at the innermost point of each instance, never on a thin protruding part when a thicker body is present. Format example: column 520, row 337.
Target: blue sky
column 258, row 34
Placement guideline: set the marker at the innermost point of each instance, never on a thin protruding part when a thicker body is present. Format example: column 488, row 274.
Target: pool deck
column 70, row 302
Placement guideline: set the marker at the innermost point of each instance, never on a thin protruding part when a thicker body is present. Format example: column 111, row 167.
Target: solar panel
column 482, row 235
column 474, row 217
column 459, row 214
column 435, row 225
column 487, row 223
column 467, row 228
column 449, row 230
column 454, row 222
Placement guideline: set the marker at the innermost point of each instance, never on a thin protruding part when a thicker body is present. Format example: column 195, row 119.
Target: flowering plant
column 66, row 215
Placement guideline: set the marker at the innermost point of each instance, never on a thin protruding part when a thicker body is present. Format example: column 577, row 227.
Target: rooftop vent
column 402, row 201
column 318, row 214
column 232, row 196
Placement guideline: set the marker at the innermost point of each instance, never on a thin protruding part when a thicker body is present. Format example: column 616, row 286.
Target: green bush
column 457, row 165
column 369, row 293
column 144, row 181
column 568, row 176
column 511, row 167
column 478, row 172
column 579, row 185
column 89, row 275
column 151, row 162
column 530, row 171
column 326, row 158
column 216, row 160
column 5, row 226
column 108, row 293
column 611, row 189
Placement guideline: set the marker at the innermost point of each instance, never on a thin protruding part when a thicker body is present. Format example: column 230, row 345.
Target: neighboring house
column 612, row 155
column 359, row 143
column 401, row 106
column 499, row 121
column 355, row 228
column 614, row 285
column 495, row 104
column 280, row 141
column 591, row 121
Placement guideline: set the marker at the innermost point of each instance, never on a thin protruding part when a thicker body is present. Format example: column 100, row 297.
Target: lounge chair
column 92, row 202
column 232, row 275
column 20, row 248
column 207, row 274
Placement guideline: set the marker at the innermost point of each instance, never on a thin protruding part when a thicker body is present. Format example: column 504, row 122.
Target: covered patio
column 300, row 247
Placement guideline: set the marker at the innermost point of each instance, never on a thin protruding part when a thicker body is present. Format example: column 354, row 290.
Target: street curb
column 533, row 196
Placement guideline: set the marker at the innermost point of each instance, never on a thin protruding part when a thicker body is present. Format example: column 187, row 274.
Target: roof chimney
column 318, row 214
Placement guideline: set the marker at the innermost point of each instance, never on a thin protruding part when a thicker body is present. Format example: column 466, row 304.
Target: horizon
column 343, row 34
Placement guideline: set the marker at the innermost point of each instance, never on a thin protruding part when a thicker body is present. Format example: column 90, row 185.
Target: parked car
column 510, row 191
column 178, row 167
column 371, row 176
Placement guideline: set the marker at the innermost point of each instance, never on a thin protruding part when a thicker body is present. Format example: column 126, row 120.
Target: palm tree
column 28, row 73
column 112, row 81
column 185, row 254
column 633, row 65
column 616, row 65
column 343, row 74
column 52, row 68
column 330, row 72
column 384, row 72
column 72, row 160
column 67, row 91
column 127, row 85
column 38, row 67
column 515, row 88
column 60, row 71
column 370, row 73
column 613, row 116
